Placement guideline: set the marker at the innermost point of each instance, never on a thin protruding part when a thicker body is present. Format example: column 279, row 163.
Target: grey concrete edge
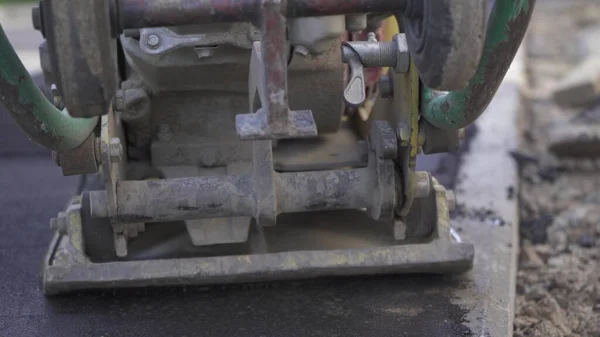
column 484, row 178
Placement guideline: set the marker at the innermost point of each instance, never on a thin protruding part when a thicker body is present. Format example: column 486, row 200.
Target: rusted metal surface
column 274, row 120
column 157, row 13
column 82, row 159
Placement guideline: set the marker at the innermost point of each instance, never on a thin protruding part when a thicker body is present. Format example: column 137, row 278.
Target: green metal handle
column 506, row 28
column 35, row 115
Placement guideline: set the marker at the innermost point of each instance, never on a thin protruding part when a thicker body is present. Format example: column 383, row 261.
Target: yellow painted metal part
column 409, row 90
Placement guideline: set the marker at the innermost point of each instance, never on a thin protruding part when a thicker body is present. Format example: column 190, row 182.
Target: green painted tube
column 506, row 28
column 36, row 116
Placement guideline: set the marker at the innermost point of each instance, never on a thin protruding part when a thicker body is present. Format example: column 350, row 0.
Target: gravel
column 558, row 282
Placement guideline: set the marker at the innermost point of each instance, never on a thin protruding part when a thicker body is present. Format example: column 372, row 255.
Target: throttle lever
column 355, row 92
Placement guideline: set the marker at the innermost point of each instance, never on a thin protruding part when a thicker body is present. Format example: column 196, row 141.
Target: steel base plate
column 65, row 271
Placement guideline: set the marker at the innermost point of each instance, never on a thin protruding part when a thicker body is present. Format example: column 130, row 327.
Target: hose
column 506, row 28
column 34, row 114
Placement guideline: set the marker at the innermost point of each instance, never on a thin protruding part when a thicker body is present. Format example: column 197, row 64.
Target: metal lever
column 371, row 53
column 355, row 92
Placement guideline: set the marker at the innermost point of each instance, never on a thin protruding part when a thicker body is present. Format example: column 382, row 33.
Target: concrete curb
column 487, row 174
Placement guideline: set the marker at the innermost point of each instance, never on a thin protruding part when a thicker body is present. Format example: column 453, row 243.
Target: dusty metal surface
column 137, row 14
column 81, row 53
column 66, row 268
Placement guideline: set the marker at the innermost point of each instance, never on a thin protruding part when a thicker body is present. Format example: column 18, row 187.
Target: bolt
column 119, row 100
column 356, row 22
column 116, row 150
column 56, row 96
column 121, row 245
column 385, row 87
column 153, row 41
column 371, row 37
column 399, row 230
column 301, row 50
column 422, row 184
column 403, row 134
column 402, row 56
column 59, row 223
column 203, row 53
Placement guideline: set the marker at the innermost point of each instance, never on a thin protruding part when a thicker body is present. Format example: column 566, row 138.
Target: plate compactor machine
column 244, row 141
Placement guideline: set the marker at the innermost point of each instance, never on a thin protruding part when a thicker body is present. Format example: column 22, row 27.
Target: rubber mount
column 445, row 40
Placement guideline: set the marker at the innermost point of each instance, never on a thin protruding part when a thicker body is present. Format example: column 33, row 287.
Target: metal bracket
column 274, row 120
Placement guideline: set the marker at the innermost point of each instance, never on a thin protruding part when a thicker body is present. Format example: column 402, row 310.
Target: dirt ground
column 558, row 286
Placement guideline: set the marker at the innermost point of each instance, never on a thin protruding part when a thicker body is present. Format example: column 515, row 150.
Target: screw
column 371, row 37
column 153, row 41
column 116, row 150
column 301, row 50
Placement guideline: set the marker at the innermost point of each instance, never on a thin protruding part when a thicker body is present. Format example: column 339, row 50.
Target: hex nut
column 402, row 54
column 116, row 149
column 59, row 223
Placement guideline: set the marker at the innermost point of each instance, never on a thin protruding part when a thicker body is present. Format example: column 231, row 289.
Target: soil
column 558, row 285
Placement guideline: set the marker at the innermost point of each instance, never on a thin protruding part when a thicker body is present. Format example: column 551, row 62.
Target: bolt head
column 153, row 41
column 402, row 56
column 116, row 149
column 119, row 100
column 121, row 245
column 203, row 53
column 403, row 133
column 301, row 50
column 59, row 223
